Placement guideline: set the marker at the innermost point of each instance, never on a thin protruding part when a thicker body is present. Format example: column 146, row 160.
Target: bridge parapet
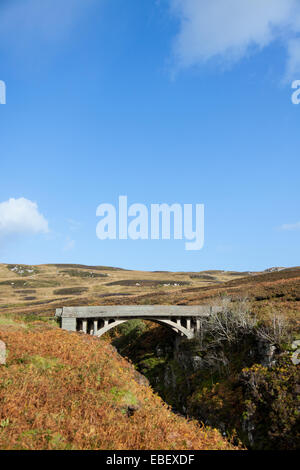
column 97, row 320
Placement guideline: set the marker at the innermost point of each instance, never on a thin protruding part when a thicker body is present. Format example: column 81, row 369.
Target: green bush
column 272, row 403
column 128, row 333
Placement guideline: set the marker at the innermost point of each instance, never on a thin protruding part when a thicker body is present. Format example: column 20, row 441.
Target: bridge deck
column 132, row 311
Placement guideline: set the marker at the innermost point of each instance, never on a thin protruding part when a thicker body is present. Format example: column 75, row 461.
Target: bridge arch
column 185, row 320
column 175, row 326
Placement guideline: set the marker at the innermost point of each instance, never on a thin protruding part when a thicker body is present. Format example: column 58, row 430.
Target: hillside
column 44, row 287
column 41, row 289
column 63, row 390
column 65, row 376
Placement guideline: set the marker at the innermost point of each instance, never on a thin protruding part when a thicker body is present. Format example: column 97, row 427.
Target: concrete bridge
column 183, row 320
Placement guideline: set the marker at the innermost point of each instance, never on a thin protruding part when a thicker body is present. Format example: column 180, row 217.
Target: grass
column 26, row 321
column 9, row 321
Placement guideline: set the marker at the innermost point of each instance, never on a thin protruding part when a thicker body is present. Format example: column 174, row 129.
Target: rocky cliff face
column 248, row 389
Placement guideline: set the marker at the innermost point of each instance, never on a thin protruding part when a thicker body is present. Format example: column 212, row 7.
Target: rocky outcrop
column 229, row 387
column 238, row 376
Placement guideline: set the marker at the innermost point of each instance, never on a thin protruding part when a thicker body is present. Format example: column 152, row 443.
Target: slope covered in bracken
column 62, row 390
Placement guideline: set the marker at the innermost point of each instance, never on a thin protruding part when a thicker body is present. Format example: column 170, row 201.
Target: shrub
column 271, row 418
column 128, row 333
column 230, row 324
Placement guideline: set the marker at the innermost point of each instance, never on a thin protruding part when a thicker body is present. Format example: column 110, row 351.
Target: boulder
column 296, row 354
column 2, row 352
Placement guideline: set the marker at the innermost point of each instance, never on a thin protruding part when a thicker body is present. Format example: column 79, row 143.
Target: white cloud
column 21, row 216
column 230, row 29
column 295, row 226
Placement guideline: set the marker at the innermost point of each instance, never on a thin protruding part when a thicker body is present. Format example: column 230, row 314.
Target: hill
column 39, row 290
column 63, row 390
column 210, row 379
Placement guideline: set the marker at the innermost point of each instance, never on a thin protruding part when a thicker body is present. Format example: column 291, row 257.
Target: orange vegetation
column 63, row 390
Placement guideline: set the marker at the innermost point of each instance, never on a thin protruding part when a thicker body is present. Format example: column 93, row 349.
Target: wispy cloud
column 228, row 30
column 21, row 216
column 293, row 62
column 69, row 244
column 295, row 226
column 27, row 21
column 74, row 225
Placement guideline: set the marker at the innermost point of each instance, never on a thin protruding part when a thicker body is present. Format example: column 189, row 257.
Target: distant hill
column 41, row 289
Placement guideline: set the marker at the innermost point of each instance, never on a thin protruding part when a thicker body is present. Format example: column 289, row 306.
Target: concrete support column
column 95, row 326
column 84, row 326
column 68, row 323
column 178, row 321
column 188, row 323
column 105, row 323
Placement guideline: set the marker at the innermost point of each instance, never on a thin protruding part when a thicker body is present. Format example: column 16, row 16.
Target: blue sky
column 162, row 101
